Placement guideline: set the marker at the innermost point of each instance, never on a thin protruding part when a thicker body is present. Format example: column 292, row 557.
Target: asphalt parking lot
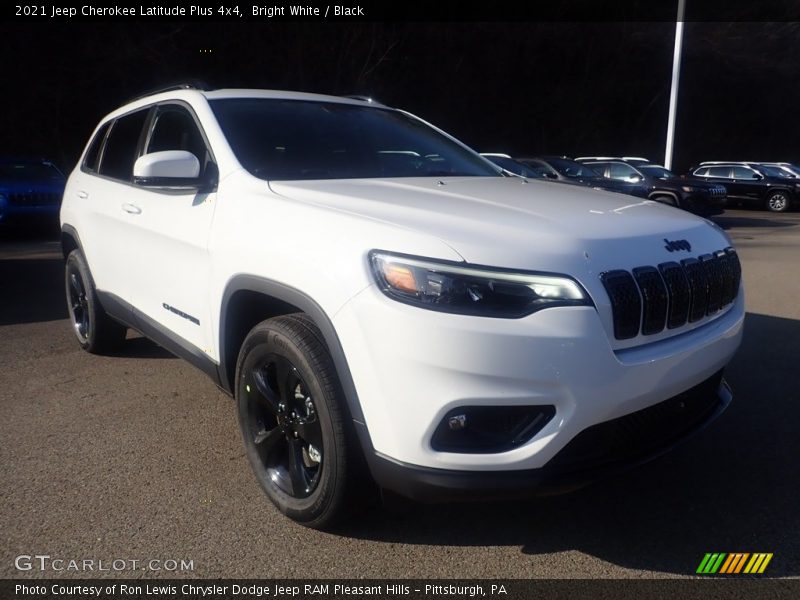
column 138, row 456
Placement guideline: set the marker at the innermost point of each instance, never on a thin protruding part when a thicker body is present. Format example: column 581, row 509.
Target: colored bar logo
column 734, row 563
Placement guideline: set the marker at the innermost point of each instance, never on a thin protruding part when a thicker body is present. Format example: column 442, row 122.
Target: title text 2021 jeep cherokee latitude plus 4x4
column 374, row 293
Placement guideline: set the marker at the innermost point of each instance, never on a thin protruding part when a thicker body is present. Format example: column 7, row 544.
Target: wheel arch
column 70, row 240
column 248, row 300
column 786, row 190
column 655, row 195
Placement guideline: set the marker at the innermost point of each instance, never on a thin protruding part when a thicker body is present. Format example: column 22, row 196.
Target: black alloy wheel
column 293, row 418
column 96, row 331
column 284, row 426
column 77, row 302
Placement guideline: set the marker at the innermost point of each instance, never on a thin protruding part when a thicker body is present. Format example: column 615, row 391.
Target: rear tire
column 778, row 201
column 294, row 423
column 96, row 331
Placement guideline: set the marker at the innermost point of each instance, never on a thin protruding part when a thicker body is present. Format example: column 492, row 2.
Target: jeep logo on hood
column 674, row 245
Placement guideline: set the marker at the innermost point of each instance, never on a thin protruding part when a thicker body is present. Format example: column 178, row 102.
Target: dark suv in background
column 750, row 183
column 785, row 167
column 512, row 165
column 563, row 170
column 566, row 170
column 695, row 195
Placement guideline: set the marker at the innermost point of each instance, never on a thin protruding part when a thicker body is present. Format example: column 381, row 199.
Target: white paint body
column 410, row 365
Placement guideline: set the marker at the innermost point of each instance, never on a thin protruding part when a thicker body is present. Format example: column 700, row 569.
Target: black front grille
column 715, row 283
column 732, row 274
column 625, row 298
column 671, row 294
column 642, row 433
column 654, row 296
column 678, row 292
column 698, row 285
column 34, row 199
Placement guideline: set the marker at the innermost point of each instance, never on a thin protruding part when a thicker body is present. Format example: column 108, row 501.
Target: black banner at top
column 409, row 11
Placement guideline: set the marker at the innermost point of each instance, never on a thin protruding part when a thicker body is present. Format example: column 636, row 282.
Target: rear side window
column 719, row 172
column 620, row 171
column 121, row 148
column 90, row 162
column 600, row 167
column 744, row 173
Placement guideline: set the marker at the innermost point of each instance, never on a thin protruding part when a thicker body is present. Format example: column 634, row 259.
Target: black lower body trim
column 595, row 453
column 126, row 314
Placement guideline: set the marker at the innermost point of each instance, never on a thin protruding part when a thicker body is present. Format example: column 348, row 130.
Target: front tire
column 96, row 331
column 293, row 421
column 778, row 201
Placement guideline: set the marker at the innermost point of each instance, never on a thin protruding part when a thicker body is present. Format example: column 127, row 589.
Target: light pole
column 676, row 75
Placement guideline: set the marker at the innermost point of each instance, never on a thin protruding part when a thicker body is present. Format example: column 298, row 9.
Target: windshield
column 570, row 168
column 29, row 171
column 279, row 139
column 656, row 171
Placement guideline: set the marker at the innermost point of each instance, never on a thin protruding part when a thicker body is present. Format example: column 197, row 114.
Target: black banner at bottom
column 444, row 589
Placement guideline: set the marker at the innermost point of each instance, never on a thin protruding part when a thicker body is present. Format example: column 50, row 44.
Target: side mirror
column 551, row 176
column 171, row 168
column 635, row 178
column 758, row 176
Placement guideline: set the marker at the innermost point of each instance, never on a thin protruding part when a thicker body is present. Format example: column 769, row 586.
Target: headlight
column 471, row 290
column 688, row 188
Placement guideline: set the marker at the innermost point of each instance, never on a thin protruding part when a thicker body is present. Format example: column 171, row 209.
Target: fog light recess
column 489, row 429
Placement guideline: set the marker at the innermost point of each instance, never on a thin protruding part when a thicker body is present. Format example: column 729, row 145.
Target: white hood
column 511, row 223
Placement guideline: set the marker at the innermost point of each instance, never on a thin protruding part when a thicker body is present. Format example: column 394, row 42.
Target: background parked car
column 504, row 161
column 30, row 191
column 695, row 195
column 789, row 167
column 776, row 170
column 563, row 170
column 771, row 169
column 566, row 170
column 749, row 183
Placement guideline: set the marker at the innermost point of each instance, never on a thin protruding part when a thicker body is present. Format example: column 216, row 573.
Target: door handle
column 82, row 195
column 132, row 209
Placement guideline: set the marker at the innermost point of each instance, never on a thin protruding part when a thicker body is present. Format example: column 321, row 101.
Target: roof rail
column 636, row 158
column 361, row 97
column 597, row 158
column 186, row 85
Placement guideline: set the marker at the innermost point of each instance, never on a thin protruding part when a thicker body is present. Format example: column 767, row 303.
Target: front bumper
column 599, row 451
column 12, row 212
column 705, row 204
column 411, row 367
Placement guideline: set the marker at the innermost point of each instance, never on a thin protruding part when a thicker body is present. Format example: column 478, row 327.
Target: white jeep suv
column 385, row 305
